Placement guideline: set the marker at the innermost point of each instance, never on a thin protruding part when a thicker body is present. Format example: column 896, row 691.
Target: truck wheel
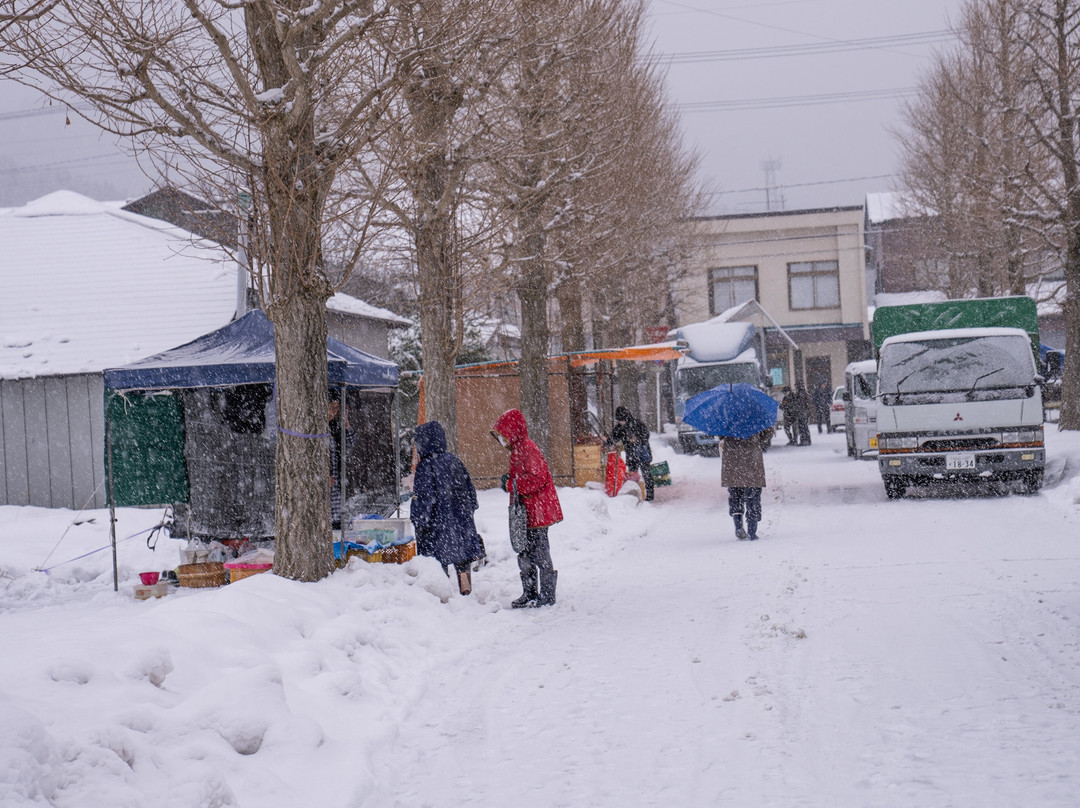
column 895, row 487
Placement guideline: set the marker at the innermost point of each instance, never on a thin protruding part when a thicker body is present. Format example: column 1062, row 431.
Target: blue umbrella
column 731, row 410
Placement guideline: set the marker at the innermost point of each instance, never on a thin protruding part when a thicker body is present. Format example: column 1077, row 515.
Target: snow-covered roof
column 715, row 340
column 347, row 304
column 956, row 333
column 862, row 366
column 888, row 206
column 88, row 286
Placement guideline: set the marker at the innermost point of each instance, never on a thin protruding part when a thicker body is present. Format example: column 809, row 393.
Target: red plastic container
column 149, row 578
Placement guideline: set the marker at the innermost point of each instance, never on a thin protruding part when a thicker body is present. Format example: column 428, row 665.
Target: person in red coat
column 531, row 478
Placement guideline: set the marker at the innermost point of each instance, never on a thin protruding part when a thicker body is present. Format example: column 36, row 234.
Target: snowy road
column 865, row 652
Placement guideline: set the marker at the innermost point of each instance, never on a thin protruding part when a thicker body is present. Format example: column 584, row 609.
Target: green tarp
column 983, row 312
column 146, row 435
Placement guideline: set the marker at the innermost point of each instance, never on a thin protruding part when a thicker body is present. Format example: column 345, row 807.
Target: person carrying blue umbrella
column 744, row 417
column 743, row 474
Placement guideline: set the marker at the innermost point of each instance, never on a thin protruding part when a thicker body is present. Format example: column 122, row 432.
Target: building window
column 730, row 286
column 814, row 284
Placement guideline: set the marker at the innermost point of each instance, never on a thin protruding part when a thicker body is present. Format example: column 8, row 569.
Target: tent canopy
column 242, row 352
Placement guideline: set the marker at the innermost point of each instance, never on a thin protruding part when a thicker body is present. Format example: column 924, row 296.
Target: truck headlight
column 1030, row 435
column 1012, row 437
column 898, row 442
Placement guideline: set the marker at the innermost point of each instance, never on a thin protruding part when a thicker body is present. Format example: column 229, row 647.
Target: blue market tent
column 195, row 427
column 243, row 353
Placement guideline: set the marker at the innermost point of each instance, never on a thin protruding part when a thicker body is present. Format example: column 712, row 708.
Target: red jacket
column 529, row 471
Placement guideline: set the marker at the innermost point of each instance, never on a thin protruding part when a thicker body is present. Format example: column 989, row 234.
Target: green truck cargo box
column 980, row 312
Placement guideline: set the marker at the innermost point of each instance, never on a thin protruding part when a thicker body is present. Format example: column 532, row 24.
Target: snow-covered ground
column 866, row 652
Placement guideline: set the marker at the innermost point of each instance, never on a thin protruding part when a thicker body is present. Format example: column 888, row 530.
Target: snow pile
column 923, row 652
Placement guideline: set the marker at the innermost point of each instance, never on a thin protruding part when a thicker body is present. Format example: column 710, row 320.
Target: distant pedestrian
column 634, row 436
column 530, row 479
column 790, row 408
column 444, row 500
column 822, row 402
column 742, row 472
column 804, row 406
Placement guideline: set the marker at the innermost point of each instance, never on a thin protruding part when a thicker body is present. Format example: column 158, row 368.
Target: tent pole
column 659, row 421
column 395, row 435
column 112, row 493
column 343, row 449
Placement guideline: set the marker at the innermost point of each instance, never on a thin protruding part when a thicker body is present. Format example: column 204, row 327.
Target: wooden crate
column 202, row 575
column 588, row 464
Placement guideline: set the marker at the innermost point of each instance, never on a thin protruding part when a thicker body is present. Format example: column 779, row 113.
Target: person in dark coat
column 634, row 436
column 742, row 472
column 341, row 437
column 790, row 408
column 822, row 402
column 444, row 500
column 804, row 406
column 530, row 477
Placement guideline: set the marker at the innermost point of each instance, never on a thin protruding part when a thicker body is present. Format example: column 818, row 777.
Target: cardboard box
column 157, row 590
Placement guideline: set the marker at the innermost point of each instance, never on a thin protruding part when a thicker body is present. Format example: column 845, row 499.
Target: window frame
column 712, row 280
column 813, row 275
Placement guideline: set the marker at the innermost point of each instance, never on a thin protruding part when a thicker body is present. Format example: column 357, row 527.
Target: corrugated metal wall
column 52, row 442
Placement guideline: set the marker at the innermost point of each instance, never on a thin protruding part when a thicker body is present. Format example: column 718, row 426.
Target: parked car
column 836, row 411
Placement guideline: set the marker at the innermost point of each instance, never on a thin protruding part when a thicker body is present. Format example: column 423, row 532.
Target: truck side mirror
column 846, row 396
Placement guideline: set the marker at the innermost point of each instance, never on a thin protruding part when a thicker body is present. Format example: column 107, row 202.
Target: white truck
column 720, row 353
column 959, row 395
column 860, row 407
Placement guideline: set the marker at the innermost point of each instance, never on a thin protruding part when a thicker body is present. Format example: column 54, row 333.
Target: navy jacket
column 443, row 501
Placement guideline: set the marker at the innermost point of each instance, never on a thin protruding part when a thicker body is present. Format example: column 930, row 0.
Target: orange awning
column 657, row 352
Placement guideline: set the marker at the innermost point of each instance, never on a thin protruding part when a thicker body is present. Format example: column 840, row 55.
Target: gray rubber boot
column 547, row 589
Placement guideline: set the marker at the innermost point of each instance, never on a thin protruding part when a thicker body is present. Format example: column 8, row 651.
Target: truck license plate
column 960, row 461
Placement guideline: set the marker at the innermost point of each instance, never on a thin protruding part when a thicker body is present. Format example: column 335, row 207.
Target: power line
column 806, row 49
column 62, row 163
column 801, row 184
column 795, row 100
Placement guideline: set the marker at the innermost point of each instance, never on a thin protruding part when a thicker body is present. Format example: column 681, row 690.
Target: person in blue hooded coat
column 444, row 500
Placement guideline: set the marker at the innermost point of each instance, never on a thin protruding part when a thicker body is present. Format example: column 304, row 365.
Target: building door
column 818, row 370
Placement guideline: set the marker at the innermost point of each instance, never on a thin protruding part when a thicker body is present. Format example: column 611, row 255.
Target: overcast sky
column 795, row 84
column 787, row 101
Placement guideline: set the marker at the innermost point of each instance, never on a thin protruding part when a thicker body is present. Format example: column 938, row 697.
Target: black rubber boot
column 529, row 594
column 740, row 534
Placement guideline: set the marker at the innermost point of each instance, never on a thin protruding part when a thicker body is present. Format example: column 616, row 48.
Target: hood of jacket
column 430, row 439
column 511, row 425
column 622, row 414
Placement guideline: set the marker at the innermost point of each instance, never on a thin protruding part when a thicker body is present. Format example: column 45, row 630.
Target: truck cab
column 719, row 353
column 860, row 407
column 959, row 405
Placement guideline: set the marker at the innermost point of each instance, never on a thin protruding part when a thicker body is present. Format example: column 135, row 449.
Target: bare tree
column 269, row 98
column 556, row 137
column 434, row 143
column 1052, row 40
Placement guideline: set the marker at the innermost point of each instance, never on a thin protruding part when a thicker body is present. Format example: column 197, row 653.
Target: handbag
column 519, row 522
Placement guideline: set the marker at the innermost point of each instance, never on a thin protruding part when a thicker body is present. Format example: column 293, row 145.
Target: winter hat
column 622, row 414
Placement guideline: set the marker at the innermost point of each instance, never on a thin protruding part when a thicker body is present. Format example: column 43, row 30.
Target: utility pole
column 774, row 194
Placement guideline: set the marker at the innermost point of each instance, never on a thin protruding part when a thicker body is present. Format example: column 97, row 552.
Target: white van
column 860, row 407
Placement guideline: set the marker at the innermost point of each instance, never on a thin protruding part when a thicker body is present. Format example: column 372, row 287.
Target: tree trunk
column 572, row 335
column 303, row 542
column 1070, row 170
column 532, row 293
column 437, row 315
